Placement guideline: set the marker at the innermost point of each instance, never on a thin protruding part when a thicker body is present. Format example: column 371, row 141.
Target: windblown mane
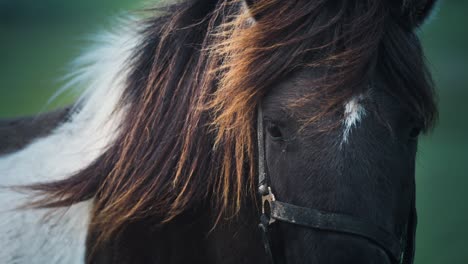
column 187, row 135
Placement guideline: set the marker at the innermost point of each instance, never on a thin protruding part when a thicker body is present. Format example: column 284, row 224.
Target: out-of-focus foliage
column 442, row 167
column 39, row 38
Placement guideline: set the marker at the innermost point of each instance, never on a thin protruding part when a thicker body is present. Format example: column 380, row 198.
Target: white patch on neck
column 353, row 114
column 26, row 236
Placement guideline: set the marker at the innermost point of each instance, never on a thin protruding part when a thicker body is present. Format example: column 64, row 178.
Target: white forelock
column 27, row 236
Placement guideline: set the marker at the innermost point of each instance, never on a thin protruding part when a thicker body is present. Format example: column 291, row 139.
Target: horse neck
column 190, row 238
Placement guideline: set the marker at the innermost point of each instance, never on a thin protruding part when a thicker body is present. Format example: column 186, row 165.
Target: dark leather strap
column 266, row 236
column 410, row 242
column 321, row 220
column 262, row 181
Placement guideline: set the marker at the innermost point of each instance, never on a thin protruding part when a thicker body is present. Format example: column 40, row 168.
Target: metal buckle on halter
column 267, row 198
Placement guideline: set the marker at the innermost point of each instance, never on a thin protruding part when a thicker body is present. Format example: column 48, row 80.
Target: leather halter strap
column 341, row 223
column 399, row 250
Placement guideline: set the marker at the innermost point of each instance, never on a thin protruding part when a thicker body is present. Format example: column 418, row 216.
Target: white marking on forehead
column 353, row 114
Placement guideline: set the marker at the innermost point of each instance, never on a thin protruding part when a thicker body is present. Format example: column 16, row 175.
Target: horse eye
column 414, row 133
column 274, row 131
column 416, row 128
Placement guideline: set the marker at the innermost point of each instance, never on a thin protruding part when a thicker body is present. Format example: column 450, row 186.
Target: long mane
column 201, row 69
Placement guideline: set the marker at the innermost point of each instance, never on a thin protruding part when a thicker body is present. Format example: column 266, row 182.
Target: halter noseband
column 399, row 250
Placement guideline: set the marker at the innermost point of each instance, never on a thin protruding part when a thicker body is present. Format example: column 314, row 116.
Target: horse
column 228, row 131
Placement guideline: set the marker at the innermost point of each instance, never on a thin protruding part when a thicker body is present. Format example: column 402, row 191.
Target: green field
column 39, row 38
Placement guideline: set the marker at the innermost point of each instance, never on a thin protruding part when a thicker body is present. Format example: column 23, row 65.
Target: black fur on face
column 365, row 169
column 369, row 175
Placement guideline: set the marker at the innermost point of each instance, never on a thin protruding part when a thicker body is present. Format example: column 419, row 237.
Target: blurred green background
column 39, row 38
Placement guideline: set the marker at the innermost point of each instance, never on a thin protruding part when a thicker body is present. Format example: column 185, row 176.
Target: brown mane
column 195, row 83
